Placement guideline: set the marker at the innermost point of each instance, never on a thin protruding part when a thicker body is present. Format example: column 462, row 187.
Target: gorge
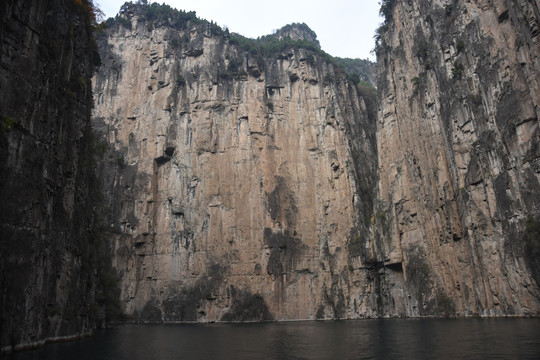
column 254, row 180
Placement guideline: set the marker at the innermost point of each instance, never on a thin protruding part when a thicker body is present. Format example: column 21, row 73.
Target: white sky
column 345, row 28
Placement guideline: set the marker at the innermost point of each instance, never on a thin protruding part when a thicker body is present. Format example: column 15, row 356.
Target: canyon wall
column 246, row 180
column 48, row 261
column 251, row 180
column 459, row 155
column 239, row 183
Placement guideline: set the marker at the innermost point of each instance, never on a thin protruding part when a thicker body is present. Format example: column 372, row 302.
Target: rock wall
column 244, row 184
column 239, row 185
column 47, row 265
column 459, row 157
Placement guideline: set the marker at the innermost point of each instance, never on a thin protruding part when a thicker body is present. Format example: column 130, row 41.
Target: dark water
column 363, row 339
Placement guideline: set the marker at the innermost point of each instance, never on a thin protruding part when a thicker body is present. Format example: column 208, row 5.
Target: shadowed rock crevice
column 285, row 250
column 184, row 303
column 282, row 204
column 246, row 307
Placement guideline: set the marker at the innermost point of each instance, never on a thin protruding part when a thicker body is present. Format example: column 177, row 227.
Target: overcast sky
column 345, row 28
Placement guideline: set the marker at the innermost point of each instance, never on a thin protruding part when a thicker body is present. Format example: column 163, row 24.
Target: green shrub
column 532, row 246
column 460, row 46
column 174, row 42
column 387, row 6
column 355, row 246
column 180, row 80
column 82, row 82
column 270, row 106
column 270, row 45
column 328, row 78
column 71, row 94
column 234, row 66
column 457, row 70
column 422, row 49
column 6, row 123
column 369, row 94
column 100, row 148
column 353, row 78
column 123, row 22
column 385, row 11
column 445, row 305
column 419, row 82
column 532, row 232
column 120, row 161
column 248, row 45
column 179, row 19
column 215, row 29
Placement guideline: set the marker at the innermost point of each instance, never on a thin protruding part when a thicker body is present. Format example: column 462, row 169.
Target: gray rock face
column 235, row 183
column 458, row 156
column 47, row 262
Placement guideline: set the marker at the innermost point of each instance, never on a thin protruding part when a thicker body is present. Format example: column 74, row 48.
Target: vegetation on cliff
column 263, row 47
column 386, row 10
column 532, row 246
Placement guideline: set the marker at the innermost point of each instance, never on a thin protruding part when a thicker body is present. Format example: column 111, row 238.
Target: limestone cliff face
column 48, row 263
column 239, row 185
column 250, row 182
column 459, row 156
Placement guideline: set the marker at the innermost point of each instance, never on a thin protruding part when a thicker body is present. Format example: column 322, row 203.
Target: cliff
column 238, row 174
column 256, row 180
column 458, row 155
column 249, row 180
column 49, row 285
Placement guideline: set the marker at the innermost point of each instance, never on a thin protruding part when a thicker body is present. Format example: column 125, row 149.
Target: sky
column 345, row 28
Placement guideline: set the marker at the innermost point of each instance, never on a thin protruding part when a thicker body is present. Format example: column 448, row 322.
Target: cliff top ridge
column 295, row 35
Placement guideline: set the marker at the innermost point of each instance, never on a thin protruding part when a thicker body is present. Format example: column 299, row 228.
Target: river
column 359, row 339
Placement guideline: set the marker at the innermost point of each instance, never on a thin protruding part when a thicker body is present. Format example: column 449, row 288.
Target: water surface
column 360, row 339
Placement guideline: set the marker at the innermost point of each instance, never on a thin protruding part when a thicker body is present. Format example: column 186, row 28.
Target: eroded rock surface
column 253, row 186
column 236, row 183
column 48, row 259
column 459, row 157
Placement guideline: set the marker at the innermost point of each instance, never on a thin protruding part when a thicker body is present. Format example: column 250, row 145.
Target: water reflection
column 364, row 339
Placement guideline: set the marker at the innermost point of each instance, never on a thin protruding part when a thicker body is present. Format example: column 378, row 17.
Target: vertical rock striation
column 47, row 265
column 459, row 156
column 237, row 183
column 241, row 177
